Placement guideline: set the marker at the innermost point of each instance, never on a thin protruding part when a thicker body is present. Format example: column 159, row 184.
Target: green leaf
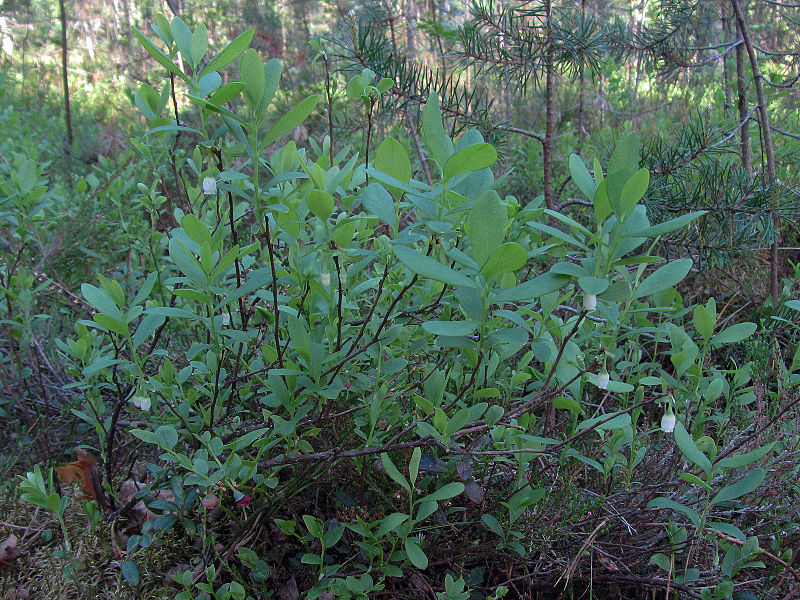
column 148, row 100
column 623, row 164
column 689, row 449
column 619, row 422
column 315, row 526
column 231, row 52
column 450, row 328
column 443, row 493
column 102, row 302
column 272, row 79
column 391, row 523
column 593, row 285
column 290, row 120
column 391, row 158
column 183, row 38
column 487, row 224
column 379, row 202
column 661, row 561
column 733, row 334
column 728, row 529
column 225, row 262
column 184, row 260
column 471, row 158
column 532, row 289
column 558, row 234
column 130, row 571
column 199, row 44
column 392, row 472
column 582, row 177
column 744, row 486
column 493, row 524
column 385, row 84
column 507, row 258
column 195, row 229
column 146, row 328
column 415, row 554
column 663, row 278
column 209, row 84
column 693, row 515
column 167, row 436
column 320, row 203
column 162, row 29
column 602, row 207
column 162, row 58
column 299, row 336
column 633, row 191
column 433, row 132
column 251, row 72
column 413, row 465
column 748, row 458
column 428, row 267
column 694, row 480
column 355, row 87
column 703, row 323
column 667, row 226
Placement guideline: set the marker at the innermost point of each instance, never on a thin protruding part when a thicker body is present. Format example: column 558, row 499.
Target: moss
column 42, row 572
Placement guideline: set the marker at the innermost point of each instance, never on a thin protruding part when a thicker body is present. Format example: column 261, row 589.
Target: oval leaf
column 509, row 257
column 320, row 203
column 744, row 486
column 663, row 278
column 471, row 158
column 427, row 267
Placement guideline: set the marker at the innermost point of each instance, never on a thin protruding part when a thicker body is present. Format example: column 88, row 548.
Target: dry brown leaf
column 85, row 471
column 138, row 513
column 8, row 550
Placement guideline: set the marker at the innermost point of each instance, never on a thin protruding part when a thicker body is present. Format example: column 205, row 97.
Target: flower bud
column 141, row 402
column 668, row 421
column 325, row 279
column 589, row 302
column 210, row 502
column 209, row 186
column 603, row 379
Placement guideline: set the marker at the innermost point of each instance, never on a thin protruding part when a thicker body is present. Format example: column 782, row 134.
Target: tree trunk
column 411, row 30
column 741, row 91
column 769, row 151
column 67, row 111
column 581, row 93
column 549, row 130
column 726, row 81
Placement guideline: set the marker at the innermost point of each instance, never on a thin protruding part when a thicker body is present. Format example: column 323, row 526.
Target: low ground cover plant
column 330, row 379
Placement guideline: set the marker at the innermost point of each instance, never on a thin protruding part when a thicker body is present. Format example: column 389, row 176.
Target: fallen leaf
column 474, row 492
column 606, row 562
column 85, row 471
column 432, row 464
column 8, row 550
column 464, row 469
column 290, row 591
column 138, row 513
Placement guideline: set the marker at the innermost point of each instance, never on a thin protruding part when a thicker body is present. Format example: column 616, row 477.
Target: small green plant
column 36, row 491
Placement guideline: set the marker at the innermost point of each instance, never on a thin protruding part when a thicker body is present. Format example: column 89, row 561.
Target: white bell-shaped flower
column 589, row 302
column 209, row 186
column 602, row 379
column 141, row 402
column 668, row 421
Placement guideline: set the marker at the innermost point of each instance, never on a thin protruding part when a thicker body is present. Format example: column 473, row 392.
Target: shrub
column 386, row 375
